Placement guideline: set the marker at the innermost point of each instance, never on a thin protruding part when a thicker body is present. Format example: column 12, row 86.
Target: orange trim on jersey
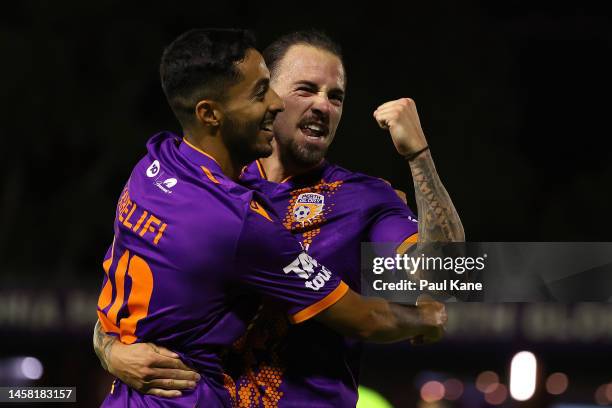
column 259, row 210
column 200, row 150
column 285, row 180
column 408, row 242
column 262, row 172
column 210, row 175
column 321, row 305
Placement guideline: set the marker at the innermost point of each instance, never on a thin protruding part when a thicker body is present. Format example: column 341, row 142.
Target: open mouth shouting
column 315, row 131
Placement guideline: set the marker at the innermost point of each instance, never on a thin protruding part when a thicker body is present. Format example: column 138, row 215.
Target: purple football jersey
column 331, row 211
column 192, row 255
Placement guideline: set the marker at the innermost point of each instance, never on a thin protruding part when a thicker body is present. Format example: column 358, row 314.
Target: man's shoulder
column 357, row 181
column 166, row 182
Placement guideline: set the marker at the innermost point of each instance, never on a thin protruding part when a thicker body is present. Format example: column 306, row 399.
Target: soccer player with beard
column 331, row 210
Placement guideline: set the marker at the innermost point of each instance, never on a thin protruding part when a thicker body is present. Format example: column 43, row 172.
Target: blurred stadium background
column 514, row 98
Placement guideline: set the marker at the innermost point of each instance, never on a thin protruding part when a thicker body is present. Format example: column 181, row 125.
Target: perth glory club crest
column 307, row 207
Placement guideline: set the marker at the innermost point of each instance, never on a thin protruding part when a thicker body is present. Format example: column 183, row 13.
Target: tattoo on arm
column 438, row 218
column 102, row 345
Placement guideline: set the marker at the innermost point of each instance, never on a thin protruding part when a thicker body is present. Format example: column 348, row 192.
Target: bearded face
column 311, row 83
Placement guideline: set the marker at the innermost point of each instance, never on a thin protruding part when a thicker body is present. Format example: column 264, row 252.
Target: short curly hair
column 200, row 64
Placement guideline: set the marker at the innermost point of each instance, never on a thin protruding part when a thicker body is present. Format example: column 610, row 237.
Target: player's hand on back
column 402, row 119
column 151, row 369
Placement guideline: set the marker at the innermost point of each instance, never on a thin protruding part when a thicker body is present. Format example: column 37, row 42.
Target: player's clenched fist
column 433, row 317
column 433, row 313
column 402, row 120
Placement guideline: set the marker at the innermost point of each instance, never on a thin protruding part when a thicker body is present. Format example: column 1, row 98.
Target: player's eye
column 305, row 91
column 261, row 94
column 336, row 99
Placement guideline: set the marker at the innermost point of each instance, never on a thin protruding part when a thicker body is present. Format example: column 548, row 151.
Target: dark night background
column 514, row 98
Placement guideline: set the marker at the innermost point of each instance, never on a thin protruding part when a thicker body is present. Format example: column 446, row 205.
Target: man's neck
column 274, row 169
column 278, row 171
column 213, row 146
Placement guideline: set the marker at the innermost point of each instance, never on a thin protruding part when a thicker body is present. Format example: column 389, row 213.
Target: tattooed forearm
column 102, row 345
column 438, row 219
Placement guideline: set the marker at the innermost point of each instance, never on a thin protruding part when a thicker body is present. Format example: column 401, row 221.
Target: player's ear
column 208, row 113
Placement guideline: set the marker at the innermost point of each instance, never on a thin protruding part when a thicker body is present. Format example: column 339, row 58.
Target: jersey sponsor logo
column 319, row 280
column 153, row 169
column 169, row 183
column 165, row 184
column 305, row 267
column 307, row 207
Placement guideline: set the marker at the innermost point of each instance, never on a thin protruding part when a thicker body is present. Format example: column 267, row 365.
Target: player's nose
column 276, row 103
column 321, row 104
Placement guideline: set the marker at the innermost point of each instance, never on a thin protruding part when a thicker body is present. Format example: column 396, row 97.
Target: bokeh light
column 557, row 383
column 498, row 396
column 31, row 368
column 487, row 381
column 453, row 389
column 432, row 391
column 523, row 370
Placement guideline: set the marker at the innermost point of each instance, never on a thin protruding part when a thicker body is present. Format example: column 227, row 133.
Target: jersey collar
column 205, row 161
column 255, row 171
